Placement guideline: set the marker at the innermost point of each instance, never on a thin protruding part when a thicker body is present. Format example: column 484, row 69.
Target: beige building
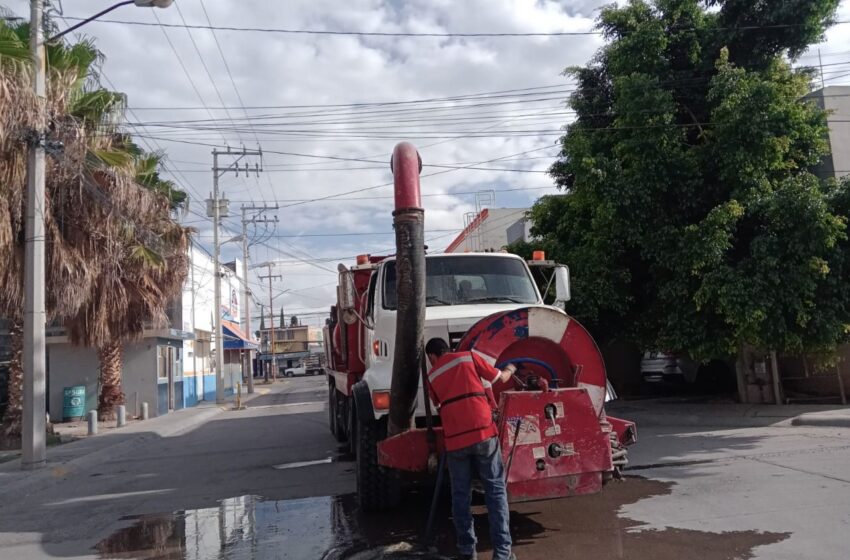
column 836, row 100
column 491, row 229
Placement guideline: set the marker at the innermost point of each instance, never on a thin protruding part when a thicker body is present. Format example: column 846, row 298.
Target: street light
column 33, row 434
column 139, row 3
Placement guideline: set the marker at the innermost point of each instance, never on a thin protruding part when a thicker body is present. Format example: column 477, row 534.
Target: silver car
column 659, row 366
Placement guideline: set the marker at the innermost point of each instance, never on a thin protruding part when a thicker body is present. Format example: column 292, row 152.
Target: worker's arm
column 489, row 373
column 505, row 374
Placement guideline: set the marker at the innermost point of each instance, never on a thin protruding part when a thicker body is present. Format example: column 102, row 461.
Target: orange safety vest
column 457, row 381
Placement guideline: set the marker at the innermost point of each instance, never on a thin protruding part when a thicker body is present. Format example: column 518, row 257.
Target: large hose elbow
column 409, row 225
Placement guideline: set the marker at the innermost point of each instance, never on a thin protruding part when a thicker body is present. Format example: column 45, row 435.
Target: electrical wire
column 434, row 35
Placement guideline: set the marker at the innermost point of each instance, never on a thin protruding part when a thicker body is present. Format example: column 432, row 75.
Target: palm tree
column 146, row 265
column 114, row 256
column 68, row 268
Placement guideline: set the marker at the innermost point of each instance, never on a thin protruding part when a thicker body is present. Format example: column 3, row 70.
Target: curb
column 820, row 421
column 692, row 420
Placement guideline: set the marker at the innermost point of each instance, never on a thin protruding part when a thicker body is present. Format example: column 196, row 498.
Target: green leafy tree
column 691, row 219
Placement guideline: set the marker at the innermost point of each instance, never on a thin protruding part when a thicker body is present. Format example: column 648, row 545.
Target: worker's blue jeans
column 486, row 460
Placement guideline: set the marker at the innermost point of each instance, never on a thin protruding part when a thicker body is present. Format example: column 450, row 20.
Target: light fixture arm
column 140, row 3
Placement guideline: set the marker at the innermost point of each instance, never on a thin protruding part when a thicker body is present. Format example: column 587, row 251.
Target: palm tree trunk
column 14, row 409
column 111, row 394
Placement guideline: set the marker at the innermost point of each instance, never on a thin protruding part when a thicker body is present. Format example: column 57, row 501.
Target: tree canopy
column 692, row 220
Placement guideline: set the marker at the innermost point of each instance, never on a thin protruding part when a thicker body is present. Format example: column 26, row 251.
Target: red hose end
column 406, row 166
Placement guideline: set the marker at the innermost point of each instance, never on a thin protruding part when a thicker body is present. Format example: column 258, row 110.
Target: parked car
column 292, row 371
column 660, row 366
column 714, row 376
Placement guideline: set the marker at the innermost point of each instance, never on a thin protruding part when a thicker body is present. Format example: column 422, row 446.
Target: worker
column 457, row 381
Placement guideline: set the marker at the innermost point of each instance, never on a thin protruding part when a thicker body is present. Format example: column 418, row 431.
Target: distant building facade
column 491, row 230
column 836, row 100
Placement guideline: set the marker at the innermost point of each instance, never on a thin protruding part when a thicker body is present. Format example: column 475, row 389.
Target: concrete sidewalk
column 666, row 412
column 86, row 453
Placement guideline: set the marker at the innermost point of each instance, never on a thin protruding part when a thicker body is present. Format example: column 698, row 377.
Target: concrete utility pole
column 271, row 277
column 34, row 421
column 249, row 365
column 217, row 208
column 34, row 450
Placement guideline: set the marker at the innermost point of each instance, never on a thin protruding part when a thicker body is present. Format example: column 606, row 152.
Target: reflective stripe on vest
column 446, row 367
column 465, row 407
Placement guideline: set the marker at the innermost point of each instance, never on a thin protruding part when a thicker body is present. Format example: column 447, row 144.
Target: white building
column 836, row 100
column 198, row 317
column 171, row 367
column 491, row 230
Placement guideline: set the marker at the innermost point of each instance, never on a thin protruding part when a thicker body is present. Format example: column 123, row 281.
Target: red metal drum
column 543, row 334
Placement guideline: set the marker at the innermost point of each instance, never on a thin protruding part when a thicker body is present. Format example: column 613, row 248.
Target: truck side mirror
column 562, row 284
column 346, row 295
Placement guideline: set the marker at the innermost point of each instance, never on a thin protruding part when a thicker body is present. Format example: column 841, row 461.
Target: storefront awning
column 235, row 339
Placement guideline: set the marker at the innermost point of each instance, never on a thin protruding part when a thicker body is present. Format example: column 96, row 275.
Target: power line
column 372, row 104
column 232, row 83
column 436, row 35
column 390, row 197
column 350, row 234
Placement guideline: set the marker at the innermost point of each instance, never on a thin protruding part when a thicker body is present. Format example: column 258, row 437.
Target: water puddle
column 332, row 528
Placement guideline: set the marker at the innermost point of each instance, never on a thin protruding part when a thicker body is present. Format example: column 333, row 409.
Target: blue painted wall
column 190, row 392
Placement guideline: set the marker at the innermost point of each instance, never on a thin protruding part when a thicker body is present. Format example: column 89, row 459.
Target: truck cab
column 460, row 290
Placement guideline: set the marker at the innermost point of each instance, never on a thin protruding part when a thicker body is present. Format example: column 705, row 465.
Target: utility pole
column 249, row 365
column 34, row 413
column 217, row 208
column 271, row 277
column 34, row 449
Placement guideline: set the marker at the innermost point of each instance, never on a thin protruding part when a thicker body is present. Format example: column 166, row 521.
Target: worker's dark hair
column 436, row 346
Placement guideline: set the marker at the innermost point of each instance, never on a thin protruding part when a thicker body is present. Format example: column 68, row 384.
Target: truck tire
column 378, row 488
column 332, row 407
column 351, row 428
column 339, row 418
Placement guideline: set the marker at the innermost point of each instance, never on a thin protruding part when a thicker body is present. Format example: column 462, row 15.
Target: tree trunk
column 111, row 394
column 13, row 417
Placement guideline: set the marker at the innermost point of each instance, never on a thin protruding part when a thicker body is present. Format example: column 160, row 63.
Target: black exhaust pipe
column 409, row 225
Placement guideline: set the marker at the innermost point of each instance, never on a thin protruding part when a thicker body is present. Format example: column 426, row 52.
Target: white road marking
column 299, row 464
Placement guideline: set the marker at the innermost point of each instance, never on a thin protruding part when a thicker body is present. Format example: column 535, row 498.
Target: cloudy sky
column 310, row 98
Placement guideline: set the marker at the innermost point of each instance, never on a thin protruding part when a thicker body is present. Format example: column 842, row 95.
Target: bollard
column 122, row 415
column 144, row 411
column 92, row 422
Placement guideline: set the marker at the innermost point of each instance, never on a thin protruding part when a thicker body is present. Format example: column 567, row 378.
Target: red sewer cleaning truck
column 555, row 436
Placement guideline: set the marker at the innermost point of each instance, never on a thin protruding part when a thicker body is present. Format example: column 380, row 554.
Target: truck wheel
column 339, row 419
column 378, row 488
column 332, row 407
column 351, row 428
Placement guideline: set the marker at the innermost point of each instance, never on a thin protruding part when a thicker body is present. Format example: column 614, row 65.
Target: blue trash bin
column 74, row 403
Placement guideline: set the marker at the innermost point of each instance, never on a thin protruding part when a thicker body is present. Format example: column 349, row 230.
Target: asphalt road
column 271, row 482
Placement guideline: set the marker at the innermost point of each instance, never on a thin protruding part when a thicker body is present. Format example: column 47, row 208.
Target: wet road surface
column 331, row 528
column 270, row 482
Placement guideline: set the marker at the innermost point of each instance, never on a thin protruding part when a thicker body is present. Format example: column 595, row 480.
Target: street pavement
column 271, row 482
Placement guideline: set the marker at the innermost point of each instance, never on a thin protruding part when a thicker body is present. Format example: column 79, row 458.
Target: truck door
column 369, row 327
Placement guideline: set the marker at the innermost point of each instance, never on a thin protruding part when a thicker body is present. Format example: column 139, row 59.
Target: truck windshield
column 468, row 280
